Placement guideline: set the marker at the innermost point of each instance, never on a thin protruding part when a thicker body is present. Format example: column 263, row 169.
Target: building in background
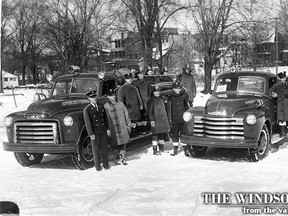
column 267, row 50
column 9, row 80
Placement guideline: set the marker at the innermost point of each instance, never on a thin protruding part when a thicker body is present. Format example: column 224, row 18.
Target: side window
column 61, row 88
column 272, row 82
column 89, row 85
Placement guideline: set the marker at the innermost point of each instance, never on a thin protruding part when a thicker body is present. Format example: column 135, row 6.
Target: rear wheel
column 197, row 151
column 264, row 144
column 28, row 159
column 83, row 155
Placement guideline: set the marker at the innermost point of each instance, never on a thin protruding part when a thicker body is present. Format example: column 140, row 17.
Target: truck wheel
column 197, row 151
column 28, row 159
column 262, row 150
column 83, row 156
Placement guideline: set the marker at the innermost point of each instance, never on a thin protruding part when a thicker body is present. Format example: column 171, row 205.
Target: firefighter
column 280, row 91
column 159, row 121
column 145, row 89
column 120, row 127
column 97, row 127
column 130, row 97
column 188, row 81
column 177, row 104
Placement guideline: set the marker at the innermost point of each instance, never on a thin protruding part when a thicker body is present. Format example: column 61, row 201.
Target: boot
column 282, row 131
column 123, row 158
column 161, row 147
column 186, row 153
column 117, row 157
column 175, row 151
column 155, row 152
column 143, row 129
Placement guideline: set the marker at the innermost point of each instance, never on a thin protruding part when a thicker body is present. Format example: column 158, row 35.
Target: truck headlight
column 68, row 121
column 251, row 119
column 187, row 116
column 8, row 121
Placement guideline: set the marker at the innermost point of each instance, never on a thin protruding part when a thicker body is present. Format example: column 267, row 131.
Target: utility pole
column 276, row 44
column 1, row 75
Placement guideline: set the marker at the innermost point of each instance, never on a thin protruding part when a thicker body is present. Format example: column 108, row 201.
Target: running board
column 277, row 139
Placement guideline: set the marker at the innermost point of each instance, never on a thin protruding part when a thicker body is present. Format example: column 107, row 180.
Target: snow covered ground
column 149, row 185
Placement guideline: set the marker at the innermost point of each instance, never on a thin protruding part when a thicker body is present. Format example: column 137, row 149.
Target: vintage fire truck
column 239, row 114
column 55, row 124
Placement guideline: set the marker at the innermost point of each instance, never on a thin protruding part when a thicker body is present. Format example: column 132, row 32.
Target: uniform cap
column 281, row 75
column 92, row 93
column 128, row 76
column 177, row 85
column 111, row 92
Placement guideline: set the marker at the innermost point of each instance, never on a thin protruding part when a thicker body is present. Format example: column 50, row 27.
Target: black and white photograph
column 144, row 107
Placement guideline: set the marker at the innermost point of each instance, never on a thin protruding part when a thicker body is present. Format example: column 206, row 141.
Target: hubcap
column 263, row 142
column 87, row 150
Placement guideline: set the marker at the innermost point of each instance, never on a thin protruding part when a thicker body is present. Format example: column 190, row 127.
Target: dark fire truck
column 239, row 114
column 55, row 124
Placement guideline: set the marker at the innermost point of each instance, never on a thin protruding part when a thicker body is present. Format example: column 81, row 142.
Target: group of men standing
column 280, row 92
column 139, row 106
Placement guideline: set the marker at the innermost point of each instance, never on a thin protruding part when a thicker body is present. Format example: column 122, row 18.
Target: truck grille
column 222, row 128
column 36, row 132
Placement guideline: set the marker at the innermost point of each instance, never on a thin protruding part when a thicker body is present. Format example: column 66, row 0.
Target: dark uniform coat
column 119, row 122
column 157, row 112
column 177, row 105
column 145, row 89
column 281, row 90
column 95, row 118
column 189, row 83
column 130, row 97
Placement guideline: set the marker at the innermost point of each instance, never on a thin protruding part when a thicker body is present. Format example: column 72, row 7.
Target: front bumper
column 39, row 148
column 221, row 143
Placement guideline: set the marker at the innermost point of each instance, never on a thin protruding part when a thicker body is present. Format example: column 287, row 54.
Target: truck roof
column 84, row 75
column 248, row 73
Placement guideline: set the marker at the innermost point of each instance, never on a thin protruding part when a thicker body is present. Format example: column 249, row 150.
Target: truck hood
column 53, row 105
column 229, row 104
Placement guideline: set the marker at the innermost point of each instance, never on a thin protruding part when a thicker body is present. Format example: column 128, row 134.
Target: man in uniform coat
column 159, row 121
column 145, row 89
column 280, row 91
column 177, row 105
column 97, row 127
column 188, row 81
column 130, row 97
column 120, row 126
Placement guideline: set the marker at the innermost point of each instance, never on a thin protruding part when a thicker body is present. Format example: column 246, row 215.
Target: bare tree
column 166, row 10
column 23, row 18
column 6, row 17
column 283, row 18
column 150, row 17
column 211, row 19
column 251, row 26
column 74, row 28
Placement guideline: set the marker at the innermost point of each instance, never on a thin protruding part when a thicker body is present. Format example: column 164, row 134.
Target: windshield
column 75, row 86
column 247, row 84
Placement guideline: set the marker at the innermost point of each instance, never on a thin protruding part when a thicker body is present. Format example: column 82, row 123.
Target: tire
column 28, row 159
column 82, row 158
column 264, row 144
column 197, row 151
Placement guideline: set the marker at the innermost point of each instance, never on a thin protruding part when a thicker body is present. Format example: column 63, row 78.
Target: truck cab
column 55, row 124
column 239, row 114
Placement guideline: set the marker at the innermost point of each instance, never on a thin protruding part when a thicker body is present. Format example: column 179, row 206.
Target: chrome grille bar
column 36, row 132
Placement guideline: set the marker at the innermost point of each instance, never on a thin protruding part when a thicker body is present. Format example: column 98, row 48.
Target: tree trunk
column 208, row 77
column 23, row 74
